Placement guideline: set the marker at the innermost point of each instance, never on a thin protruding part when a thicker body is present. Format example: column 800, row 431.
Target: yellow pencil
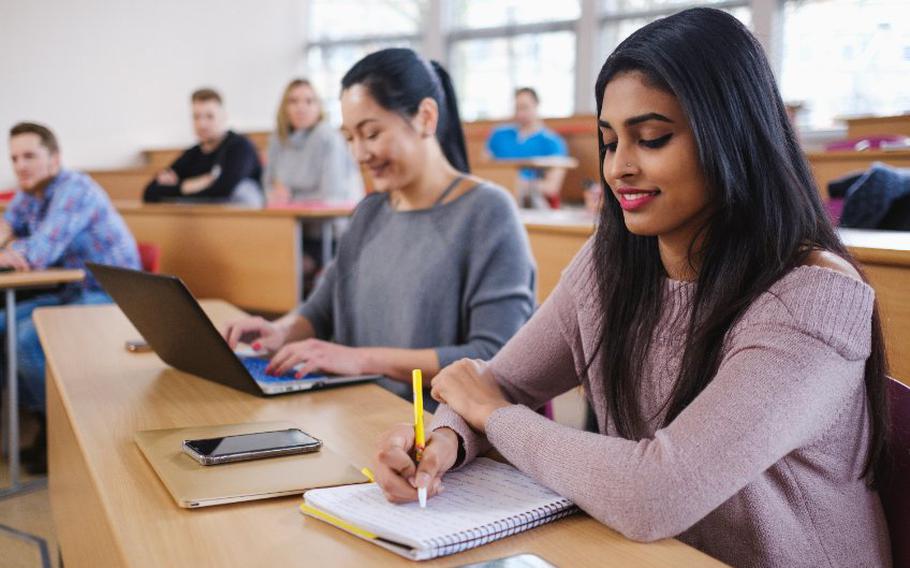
column 419, row 434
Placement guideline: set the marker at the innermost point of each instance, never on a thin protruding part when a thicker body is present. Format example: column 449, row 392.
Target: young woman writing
column 729, row 347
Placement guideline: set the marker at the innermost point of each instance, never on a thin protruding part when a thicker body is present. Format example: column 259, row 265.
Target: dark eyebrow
column 364, row 121
column 637, row 120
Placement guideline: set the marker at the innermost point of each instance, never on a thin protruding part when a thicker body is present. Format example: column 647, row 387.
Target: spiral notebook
column 483, row 502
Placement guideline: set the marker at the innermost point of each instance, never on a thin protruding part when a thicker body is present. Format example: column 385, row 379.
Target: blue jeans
column 29, row 354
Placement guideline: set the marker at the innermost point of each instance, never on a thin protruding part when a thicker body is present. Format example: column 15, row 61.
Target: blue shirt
column 73, row 223
column 505, row 142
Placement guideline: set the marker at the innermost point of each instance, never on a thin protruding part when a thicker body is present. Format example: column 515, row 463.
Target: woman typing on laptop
column 435, row 266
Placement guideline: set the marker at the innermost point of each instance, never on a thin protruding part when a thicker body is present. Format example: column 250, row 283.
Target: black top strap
column 448, row 190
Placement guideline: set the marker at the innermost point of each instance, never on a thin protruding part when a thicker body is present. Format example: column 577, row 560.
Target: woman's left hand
column 469, row 390
column 317, row 355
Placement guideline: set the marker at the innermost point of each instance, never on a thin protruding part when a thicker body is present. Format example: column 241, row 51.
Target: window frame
column 437, row 36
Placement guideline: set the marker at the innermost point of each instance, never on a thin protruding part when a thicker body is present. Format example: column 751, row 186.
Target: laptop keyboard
column 256, row 366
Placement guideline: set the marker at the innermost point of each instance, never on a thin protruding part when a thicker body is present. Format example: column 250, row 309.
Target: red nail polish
column 298, row 375
column 257, row 346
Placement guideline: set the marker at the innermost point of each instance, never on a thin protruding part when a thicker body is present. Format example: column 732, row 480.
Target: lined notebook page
column 483, row 502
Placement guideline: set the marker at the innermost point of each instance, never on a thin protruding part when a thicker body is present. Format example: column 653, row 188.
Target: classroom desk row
column 884, row 256
column 828, row 166
column 251, row 258
column 110, row 509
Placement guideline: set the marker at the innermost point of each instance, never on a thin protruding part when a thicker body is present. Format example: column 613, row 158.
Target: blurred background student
column 58, row 218
column 528, row 137
column 309, row 161
column 223, row 167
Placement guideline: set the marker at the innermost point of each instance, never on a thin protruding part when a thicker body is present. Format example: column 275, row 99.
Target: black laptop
column 175, row 326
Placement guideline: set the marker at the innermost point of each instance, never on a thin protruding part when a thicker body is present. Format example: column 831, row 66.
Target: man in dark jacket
column 223, row 167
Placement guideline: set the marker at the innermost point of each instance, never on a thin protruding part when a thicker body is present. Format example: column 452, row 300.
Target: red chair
column 896, row 493
column 150, row 257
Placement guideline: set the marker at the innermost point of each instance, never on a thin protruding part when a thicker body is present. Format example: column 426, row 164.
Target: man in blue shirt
column 528, row 137
column 58, row 218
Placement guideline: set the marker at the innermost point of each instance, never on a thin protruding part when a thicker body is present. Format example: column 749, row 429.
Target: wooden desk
column 9, row 283
column 541, row 163
column 555, row 237
column 884, row 256
column 505, row 171
column 878, row 125
column 827, row 166
column 250, row 257
column 125, row 184
column 111, row 510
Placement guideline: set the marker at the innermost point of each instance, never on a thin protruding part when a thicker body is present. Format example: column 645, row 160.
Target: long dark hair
column 399, row 79
column 769, row 218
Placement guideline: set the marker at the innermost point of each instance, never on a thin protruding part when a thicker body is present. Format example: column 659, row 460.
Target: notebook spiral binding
column 464, row 540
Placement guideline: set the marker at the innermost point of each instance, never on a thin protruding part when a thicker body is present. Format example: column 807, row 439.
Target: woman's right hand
column 167, row 177
column 395, row 470
column 280, row 194
column 262, row 334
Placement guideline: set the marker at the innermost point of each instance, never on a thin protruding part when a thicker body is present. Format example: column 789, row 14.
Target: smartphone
column 243, row 447
column 137, row 346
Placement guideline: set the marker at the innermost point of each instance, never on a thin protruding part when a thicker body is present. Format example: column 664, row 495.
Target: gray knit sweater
column 761, row 469
column 457, row 277
column 315, row 164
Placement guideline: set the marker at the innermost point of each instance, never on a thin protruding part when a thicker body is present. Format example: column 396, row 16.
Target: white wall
column 114, row 77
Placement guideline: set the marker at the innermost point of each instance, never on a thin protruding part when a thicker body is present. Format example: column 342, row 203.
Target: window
column 624, row 17
column 327, row 64
column 837, row 57
column 846, row 57
column 497, row 46
column 667, row 6
column 472, row 14
column 337, row 41
column 486, row 73
column 342, row 19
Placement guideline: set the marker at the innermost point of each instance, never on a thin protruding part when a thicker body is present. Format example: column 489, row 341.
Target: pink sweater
column 762, row 469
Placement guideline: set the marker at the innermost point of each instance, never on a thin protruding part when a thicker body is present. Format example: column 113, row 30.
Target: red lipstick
column 633, row 198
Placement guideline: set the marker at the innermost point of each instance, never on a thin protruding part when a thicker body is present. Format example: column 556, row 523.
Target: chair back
column 150, row 257
column 895, row 494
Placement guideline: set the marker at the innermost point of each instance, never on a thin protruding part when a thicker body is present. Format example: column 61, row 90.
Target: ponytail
column 452, row 138
column 398, row 80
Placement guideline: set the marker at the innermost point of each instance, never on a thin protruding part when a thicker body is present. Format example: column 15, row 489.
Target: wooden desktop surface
column 135, row 207
column 38, row 278
column 877, row 125
column 111, row 510
column 541, row 163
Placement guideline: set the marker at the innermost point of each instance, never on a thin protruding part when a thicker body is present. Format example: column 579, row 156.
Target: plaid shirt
column 73, row 223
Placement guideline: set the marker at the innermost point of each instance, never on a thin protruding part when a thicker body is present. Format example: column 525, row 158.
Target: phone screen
column 260, row 441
